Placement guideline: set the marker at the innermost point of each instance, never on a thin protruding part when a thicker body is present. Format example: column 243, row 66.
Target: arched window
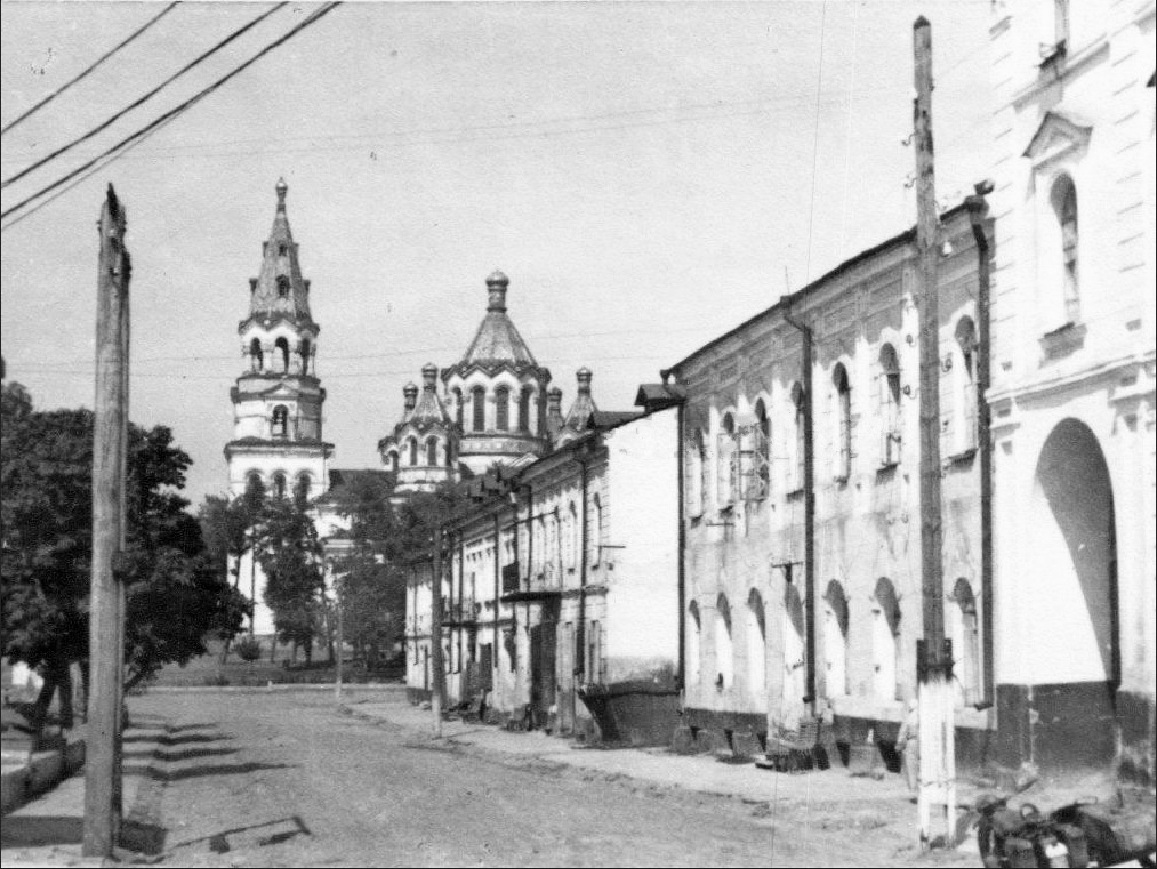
column 726, row 458
column 478, row 402
column 524, row 409
column 965, row 632
column 254, row 491
column 694, row 630
column 965, row 396
column 763, row 446
column 886, row 642
column 459, row 408
column 724, row 652
column 280, row 427
column 697, row 471
column 306, row 352
column 755, row 633
column 282, row 347
column 572, row 534
column 413, row 452
column 794, row 647
column 392, row 460
column 432, row 451
column 256, row 355
column 502, row 409
column 836, row 647
column 1065, row 204
column 843, row 423
column 279, row 485
column 448, row 452
column 797, row 447
column 301, row 488
column 282, row 287
column 889, row 392
column 282, row 249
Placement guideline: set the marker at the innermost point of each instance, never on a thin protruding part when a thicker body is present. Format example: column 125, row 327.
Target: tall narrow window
column 256, row 355
column 763, row 448
column 280, row 427
column 693, row 644
column 702, row 472
column 301, row 489
column 966, row 395
column 392, row 460
column 279, row 485
column 726, row 458
column 432, row 452
column 836, row 647
column 965, row 628
column 794, row 646
column 889, row 393
column 502, row 409
column 282, row 287
column 1065, row 198
column 597, row 535
column 524, row 409
column 478, row 402
column 724, row 651
column 306, row 353
column 413, row 452
column 798, row 443
column 282, row 347
column 886, row 647
column 843, row 423
column 756, row 645
column 575, row 534
column 459, row 408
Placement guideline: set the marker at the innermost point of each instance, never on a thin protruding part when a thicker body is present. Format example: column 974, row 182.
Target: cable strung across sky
column 92, row 67
column 141, row 100
column 174, row 112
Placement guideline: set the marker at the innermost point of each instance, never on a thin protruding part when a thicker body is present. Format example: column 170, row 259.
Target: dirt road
column 286, row 780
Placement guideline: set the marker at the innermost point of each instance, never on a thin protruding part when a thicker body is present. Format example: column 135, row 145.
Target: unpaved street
column 257, row 779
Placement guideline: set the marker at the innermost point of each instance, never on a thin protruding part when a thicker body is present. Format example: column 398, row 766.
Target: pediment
column 1057, row 136
column 282, row 390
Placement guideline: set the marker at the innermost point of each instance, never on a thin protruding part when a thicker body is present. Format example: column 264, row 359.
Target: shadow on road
column 203, row 770
column 267, row 833
column 32, row 830
column 175, row 740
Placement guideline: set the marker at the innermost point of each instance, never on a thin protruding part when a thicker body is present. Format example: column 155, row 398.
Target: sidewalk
column 828, row 799
column 47, row 831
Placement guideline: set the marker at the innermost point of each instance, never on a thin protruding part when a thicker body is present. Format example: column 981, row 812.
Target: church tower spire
column 278, row 398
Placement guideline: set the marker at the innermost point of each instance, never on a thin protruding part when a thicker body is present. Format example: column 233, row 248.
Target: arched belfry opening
column 1074, row 547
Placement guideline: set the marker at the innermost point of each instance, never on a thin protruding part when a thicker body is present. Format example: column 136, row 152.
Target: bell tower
column 277, row 400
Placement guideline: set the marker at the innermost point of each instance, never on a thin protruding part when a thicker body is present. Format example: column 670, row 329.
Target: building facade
column 560, row 589
column 1073, row 342
column 277, row 400
column 768, row 641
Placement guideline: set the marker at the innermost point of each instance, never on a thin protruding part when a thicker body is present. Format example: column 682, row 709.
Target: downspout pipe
column 581, row 633
column 681, row 543
column 977, row 207
column 809, row 508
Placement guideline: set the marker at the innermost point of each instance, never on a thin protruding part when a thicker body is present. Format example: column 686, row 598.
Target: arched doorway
column 1074, row 550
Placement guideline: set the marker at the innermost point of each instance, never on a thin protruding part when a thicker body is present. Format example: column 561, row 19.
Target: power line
column 236, row 34
column 172, row 113
column 90, row 69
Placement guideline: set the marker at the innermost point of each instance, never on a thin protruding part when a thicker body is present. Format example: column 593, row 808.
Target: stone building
column 277, row 400
column 1073, row 347
column 766, row 641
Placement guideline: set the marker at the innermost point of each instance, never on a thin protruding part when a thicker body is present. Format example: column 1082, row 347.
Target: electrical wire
column 91, row 68
column 104, row 125
column 178, row 110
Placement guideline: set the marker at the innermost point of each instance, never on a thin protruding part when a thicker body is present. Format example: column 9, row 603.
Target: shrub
column 248, row 649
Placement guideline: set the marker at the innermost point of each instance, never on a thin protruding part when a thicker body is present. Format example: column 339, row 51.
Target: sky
column 648, row 175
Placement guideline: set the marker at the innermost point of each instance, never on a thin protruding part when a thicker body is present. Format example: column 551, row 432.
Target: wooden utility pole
column 340, row 645
column 106, row 629
column 438, row 677
column 936, row 794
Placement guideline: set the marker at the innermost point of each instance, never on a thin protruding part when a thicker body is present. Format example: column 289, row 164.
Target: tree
column 290, row 556
column 174, row 596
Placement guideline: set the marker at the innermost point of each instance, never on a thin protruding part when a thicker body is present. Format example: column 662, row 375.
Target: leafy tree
column 291, row 557
column 173, row 594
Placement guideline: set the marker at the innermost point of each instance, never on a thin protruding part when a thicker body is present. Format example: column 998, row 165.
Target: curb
column 42, row 771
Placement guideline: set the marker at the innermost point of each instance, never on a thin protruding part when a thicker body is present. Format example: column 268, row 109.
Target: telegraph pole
column 106, row 630
column 936, row 794
column 438, row 680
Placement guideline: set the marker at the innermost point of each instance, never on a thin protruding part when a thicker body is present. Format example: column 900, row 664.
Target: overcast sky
column 647, row 174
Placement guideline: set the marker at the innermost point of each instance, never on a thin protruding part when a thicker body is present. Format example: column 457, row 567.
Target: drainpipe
column 581, row 633
column 497, row 594
column 681, row 538
column 809, row 510
column 977, row 212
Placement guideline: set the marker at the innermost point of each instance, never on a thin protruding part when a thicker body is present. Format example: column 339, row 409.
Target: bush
column 248, row 649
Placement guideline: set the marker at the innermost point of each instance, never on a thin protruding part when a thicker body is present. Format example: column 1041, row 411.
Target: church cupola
column 423, row 448
column 578, row 418
column 497, row 390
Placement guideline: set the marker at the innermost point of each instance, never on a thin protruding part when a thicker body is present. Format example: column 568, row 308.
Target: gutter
column 977, row 212
column 809, row 509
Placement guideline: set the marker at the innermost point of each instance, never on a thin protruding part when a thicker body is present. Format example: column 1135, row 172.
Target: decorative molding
column 1056, row 137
